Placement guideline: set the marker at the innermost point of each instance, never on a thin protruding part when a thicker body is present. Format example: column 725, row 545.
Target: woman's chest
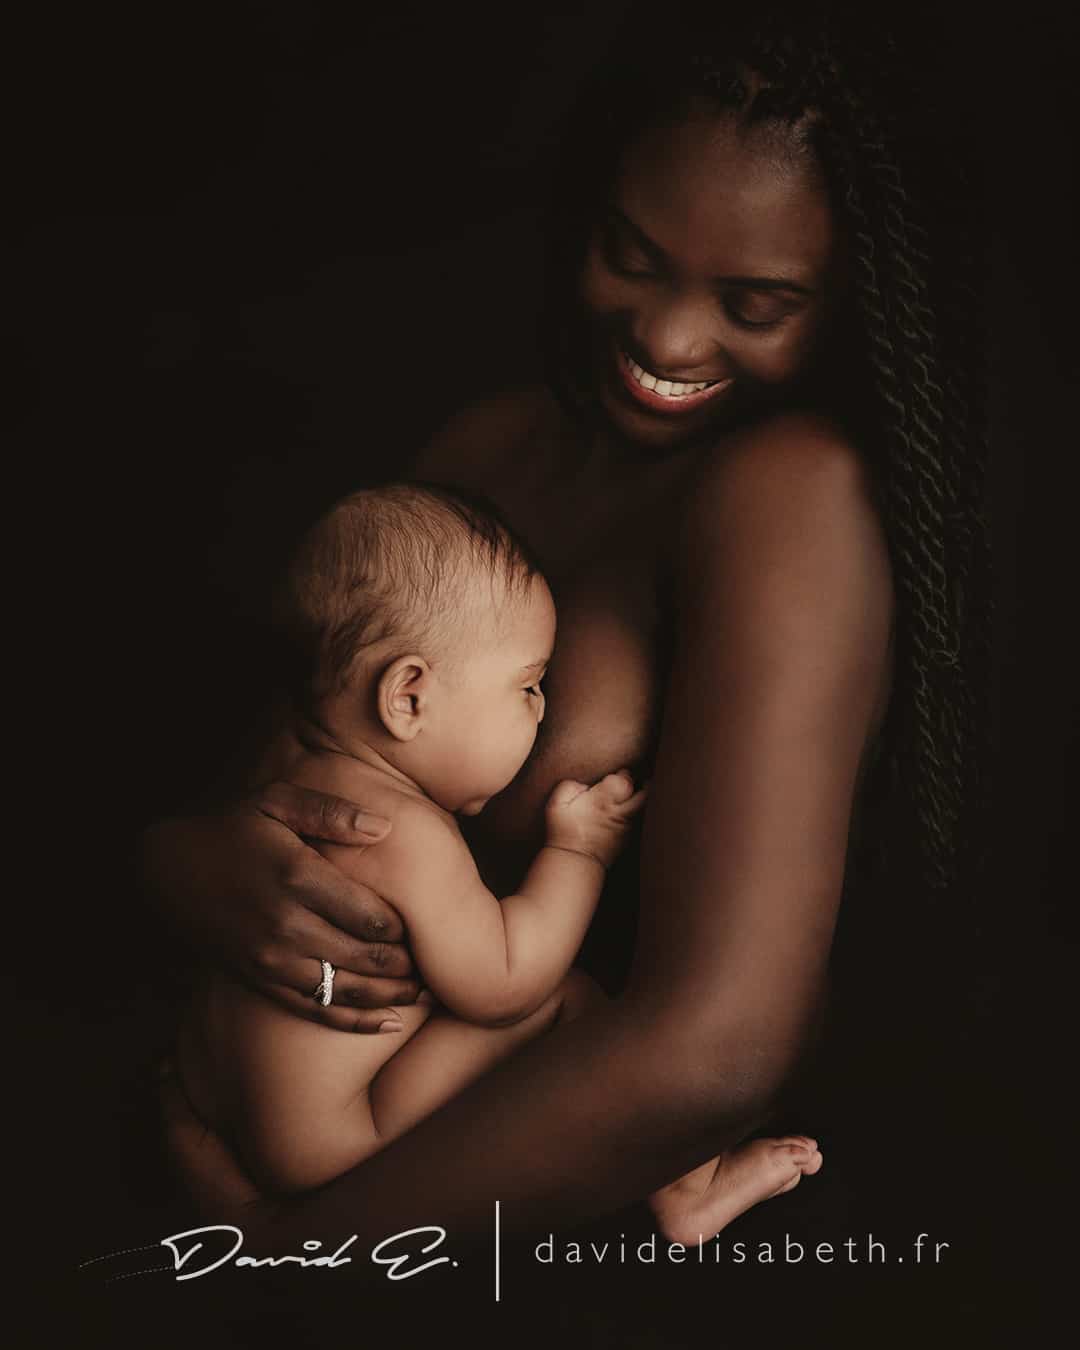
column 604, row 683
column 606, row 560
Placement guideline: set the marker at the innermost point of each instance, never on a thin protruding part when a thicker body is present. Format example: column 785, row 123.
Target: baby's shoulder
column 411, row 815
column 418, row 826
column 417, row 817
column 424, row 842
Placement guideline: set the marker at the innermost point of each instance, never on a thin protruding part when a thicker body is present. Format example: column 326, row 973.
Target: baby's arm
column 489, row 962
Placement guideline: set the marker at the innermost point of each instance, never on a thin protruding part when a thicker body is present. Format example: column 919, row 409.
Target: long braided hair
column 901, row 183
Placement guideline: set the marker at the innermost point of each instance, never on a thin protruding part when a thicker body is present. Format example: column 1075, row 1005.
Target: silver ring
column 325, row 991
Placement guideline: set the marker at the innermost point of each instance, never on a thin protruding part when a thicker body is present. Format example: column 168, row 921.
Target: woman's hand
column 245, row 888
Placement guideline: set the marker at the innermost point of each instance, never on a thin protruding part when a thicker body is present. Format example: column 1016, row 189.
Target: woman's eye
column 534, row 690
column 757, row 309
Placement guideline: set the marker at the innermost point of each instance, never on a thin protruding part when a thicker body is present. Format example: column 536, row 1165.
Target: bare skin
column 763, row 540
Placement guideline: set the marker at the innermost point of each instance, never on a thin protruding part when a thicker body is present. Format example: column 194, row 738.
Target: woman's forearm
column 592, row 1118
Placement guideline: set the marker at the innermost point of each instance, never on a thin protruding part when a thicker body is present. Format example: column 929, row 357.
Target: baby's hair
column 393, row 562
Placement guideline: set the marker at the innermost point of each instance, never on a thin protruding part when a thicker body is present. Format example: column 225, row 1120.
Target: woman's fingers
column 303, row 934
column 366, row 974
column 303, row 973
column 368, row 977
column 348, row 906
column 320, row 816
column 379, row 1016
column 365, row 991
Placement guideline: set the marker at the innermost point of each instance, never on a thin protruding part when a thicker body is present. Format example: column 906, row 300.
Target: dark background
column 264, row 250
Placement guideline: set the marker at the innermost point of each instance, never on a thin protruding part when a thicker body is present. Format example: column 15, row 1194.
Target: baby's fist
column 593, row 820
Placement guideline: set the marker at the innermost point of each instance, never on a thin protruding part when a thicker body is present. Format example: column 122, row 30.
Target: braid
column 917, row 299
column 915, row 484
column 909, row 215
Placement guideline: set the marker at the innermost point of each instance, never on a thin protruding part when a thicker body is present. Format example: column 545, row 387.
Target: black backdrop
column 264, row 249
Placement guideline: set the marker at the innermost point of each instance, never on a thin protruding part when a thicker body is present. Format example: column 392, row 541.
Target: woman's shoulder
column 790, row 466
column 801, row 442
column 790, row 499
column 783, row 551
column 484, row 430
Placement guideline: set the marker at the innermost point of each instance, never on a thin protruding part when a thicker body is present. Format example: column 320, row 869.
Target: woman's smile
column 663, row 395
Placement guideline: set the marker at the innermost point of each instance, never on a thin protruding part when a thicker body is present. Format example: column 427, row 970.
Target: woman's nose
column 677, row 336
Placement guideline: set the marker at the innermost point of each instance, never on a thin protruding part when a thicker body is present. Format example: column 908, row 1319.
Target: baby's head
column 418, row 626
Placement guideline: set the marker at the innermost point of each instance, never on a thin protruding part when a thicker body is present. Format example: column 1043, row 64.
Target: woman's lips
column 670, row 405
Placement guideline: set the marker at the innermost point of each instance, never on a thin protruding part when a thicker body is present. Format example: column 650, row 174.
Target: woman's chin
column 646, row 431
column 649, row 430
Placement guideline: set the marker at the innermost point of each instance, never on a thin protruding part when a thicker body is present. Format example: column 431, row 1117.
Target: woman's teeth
column 666, row 388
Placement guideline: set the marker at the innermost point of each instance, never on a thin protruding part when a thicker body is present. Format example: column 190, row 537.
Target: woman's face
column 708, row 278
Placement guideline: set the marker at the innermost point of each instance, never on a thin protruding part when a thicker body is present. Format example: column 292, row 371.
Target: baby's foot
column 705, row 1200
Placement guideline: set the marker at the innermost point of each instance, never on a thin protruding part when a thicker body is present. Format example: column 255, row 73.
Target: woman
column 753, row 477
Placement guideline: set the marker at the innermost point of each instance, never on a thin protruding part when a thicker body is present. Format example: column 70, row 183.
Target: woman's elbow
column 728, row 1076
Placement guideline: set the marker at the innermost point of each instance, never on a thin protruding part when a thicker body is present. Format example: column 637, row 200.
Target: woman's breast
column 603, row 691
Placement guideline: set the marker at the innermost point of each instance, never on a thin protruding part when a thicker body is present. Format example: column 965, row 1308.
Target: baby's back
column 238, row 1051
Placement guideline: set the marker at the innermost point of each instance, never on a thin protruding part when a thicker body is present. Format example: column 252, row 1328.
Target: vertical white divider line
column 498, row 1253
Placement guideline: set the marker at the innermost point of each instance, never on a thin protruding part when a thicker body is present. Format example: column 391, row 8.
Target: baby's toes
column 812, row 1160
column 797, row 1141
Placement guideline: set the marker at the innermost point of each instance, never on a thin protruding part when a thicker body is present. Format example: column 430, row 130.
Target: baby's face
column 491, row 710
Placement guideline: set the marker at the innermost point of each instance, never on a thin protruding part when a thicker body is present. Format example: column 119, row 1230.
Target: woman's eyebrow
column 649, row 245
column 533, row 665
column 751, row 283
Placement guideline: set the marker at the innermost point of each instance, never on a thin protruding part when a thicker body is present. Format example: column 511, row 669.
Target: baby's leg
column 705, row 1200
column 290, row 1096
column 447, row 1054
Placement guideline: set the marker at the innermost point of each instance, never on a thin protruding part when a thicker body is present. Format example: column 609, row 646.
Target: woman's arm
column 785, row 602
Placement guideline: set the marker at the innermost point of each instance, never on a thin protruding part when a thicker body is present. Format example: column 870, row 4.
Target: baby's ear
column 402, row 696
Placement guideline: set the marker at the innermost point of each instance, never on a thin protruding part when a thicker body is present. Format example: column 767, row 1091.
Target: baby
column 418, row 632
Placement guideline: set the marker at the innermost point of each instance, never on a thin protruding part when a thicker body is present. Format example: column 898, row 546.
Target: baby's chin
column 474, row 807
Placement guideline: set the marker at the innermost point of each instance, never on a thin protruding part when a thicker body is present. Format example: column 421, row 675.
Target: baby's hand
column 593, row 820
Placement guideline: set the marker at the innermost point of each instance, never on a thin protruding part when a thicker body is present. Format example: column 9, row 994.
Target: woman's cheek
column 600, row 292
column 777, row 357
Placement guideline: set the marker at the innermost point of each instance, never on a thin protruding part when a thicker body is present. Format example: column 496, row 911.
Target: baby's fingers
column 617, row 787
column 562, row 794
column 633, row 804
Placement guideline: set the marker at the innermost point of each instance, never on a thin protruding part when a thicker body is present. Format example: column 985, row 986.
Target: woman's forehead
column 720, row 200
